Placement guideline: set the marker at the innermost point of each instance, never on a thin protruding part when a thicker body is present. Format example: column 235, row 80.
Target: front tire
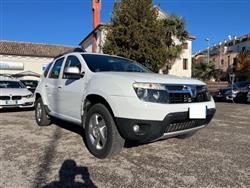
column 102, row 137
column 42, row 118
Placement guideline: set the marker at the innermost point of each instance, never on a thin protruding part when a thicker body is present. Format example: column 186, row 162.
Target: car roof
column 89, row 53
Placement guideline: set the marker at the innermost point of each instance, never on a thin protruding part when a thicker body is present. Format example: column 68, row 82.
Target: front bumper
column 173, row 124
column 23, row 103
column 133, row 108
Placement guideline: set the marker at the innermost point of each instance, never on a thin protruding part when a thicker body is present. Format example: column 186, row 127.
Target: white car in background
column 13, row 94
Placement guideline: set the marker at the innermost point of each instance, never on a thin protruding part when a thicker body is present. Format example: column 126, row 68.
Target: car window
column 47, row 70
column 31, row 83
column 72, row 61
column 10, row 85
column 55, row 72
column 101, row 63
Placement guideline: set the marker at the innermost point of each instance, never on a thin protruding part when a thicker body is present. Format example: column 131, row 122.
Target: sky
column 67, row 22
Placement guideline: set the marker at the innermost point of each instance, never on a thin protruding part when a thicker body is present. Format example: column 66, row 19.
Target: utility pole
column 208, row 46
column 220, row 46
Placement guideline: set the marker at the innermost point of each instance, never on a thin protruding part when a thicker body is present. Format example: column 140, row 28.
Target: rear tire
column 42, row 118
column 102, row 137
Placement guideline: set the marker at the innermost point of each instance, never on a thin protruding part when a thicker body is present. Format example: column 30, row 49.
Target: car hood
column 151, row 77
column 15, row 92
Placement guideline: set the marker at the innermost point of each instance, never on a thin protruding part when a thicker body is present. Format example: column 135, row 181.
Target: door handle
column 59, row 87
column 46, row 85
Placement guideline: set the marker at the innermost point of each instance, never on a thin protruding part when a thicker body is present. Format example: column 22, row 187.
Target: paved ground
column 217, row 156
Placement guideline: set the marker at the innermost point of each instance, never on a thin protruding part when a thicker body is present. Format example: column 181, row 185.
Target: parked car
column 30, row 84
column 248, row 96
column 116, row 99
column 242, row 94
column 230, row 93
column 13, row 94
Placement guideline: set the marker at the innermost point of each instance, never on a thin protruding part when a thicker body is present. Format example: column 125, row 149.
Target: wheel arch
column 93, row 99
column 37, row 96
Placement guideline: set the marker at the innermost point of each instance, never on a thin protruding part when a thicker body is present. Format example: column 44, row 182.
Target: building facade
column 224, row 54
column 16, row 57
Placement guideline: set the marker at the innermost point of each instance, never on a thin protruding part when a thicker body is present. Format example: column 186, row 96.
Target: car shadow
column 8, row 110
column 81, row 131
column 73, row 176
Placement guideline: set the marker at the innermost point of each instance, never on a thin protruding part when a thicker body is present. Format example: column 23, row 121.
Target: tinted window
column 31, row 83
column 101, row 63
column 241, row 84
column 55, row 72
column 72, row 61
column 47, row 70
column 10, row 84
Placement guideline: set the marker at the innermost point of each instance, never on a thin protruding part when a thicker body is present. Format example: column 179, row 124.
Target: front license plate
column 197, row 112
column 11, row 102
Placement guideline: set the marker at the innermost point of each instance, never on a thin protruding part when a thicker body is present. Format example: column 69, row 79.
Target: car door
column 71, row 90
column 52, row 85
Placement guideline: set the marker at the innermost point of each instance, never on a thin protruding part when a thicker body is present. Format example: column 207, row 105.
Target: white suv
column 116, row 99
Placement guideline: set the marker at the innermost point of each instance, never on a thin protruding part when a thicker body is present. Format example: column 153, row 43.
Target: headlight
column 151, row 92
column 28, row 96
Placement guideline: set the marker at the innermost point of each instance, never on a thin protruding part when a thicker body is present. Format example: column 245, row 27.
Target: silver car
column 13, row 94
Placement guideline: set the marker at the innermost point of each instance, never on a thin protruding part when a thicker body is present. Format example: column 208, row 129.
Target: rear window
column 241, row 84
column 10, row 85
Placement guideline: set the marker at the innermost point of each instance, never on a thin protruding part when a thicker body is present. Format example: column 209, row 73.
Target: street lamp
column 220, row 45
column 208, row 46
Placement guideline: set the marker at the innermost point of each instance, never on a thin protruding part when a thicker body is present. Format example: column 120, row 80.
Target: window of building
column 185, row 45
column 72, row 61
column 222, row 62
column 228, row 60
column 185, row 64
column 55, row 72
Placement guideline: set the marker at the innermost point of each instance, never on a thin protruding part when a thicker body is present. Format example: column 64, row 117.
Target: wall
column 177, row 67
column 33, row 64
column 87, row 44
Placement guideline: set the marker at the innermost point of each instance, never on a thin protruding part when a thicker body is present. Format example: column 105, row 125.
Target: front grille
column 16, row 97
column 183, row 125
column 179, row 98
column 5, row 98
column 187, row 98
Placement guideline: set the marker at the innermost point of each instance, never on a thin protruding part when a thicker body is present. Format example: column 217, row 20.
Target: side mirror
column 73, row 73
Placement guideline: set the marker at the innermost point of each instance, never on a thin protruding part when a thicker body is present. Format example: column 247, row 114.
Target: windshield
column 31, row 83
column 241, row 84
column 10, row 84
column 103, row 63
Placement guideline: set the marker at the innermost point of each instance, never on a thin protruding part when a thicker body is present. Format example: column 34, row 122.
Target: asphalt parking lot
column 55, row 156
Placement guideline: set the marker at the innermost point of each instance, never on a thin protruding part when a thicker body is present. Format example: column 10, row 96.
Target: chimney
column 96, row 8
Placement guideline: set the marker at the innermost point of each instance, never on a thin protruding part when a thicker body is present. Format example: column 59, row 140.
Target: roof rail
column 77, row 49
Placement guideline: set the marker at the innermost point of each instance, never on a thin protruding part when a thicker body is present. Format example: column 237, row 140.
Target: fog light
column 136, row 128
